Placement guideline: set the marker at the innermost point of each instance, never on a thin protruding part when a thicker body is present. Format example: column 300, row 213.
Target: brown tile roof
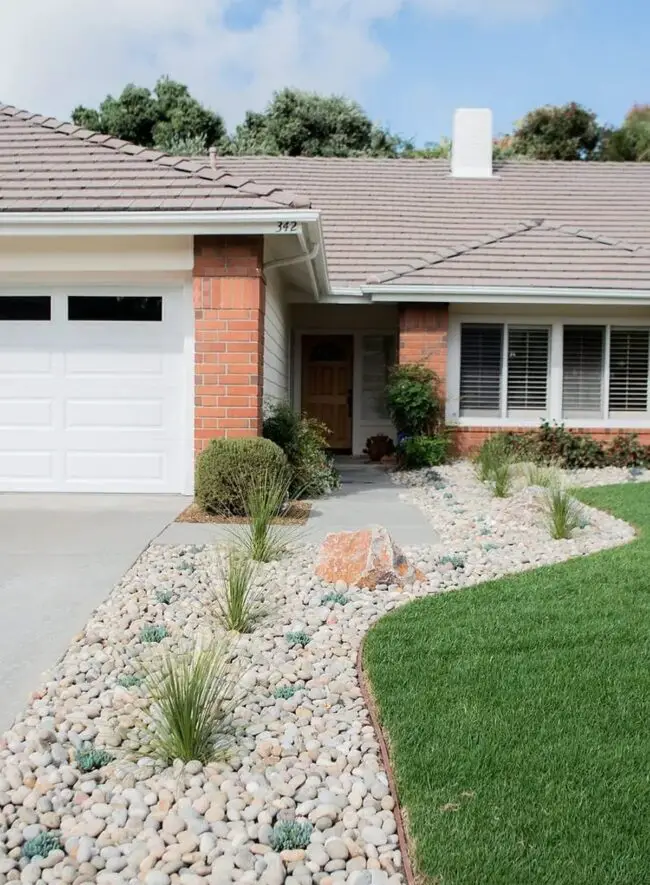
column 532, row 224
column 47, row 165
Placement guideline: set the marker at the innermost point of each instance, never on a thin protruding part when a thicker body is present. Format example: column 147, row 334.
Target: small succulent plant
column 298, row 637
column 91, row 758
column 289, row 835
column 454, row 559
column 336, row 598
column 41, row 845
column 185, row 566
column 129, row 680
column 448, row 496
column 284, row 692
column 153, row 633
column 485, row 530
column 164, row 596
column 490, row 546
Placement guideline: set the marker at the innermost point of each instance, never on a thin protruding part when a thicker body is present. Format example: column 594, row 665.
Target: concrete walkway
column 367, row 497
column 60, row 556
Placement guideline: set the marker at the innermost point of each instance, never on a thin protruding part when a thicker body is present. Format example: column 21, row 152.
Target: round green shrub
column 228, row 469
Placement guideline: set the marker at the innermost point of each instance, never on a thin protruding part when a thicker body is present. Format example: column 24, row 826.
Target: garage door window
column 28, row 307
column 127, row 308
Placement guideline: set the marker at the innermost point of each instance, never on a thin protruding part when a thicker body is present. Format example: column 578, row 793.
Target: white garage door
column 92, row 392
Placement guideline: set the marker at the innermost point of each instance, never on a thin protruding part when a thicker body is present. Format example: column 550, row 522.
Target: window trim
column 554, row 411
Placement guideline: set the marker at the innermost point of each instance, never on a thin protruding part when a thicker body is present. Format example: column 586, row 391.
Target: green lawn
column 518, row 714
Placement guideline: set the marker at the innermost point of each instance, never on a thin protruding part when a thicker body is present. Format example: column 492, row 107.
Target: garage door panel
column 113, row 363
column 22, row 470
column 109, row 468
column 15, row 362
column 16, row 414
column 111, row 415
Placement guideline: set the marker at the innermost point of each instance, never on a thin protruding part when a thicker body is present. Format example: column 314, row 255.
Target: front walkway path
column 367, row 497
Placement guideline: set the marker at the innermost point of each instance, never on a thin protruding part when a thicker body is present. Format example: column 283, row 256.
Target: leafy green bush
column 416, row 452
column 192, row 705
column 153, row 633
column 41, row 845
column 227, row 470
column 288, row 835
column 414, row 401
column 625, row 450
column 298, row 638
column 90, row 758
column 239, row 598
column 563, row 513
column 304, row 441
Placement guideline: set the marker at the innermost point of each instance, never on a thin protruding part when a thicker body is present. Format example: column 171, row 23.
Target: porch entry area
column 341, row 359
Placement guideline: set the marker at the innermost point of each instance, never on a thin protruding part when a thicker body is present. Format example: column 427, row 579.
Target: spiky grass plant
column 261, row 538
column 563, row 513
column 502, row 479
column 238, row 599
column 492, row 454
column 540, row 475
column 192, row 704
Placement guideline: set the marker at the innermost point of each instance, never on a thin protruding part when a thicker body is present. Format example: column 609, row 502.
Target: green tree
column 169, row 118
column 297, row 123
column 567, row 132
column 631, row 141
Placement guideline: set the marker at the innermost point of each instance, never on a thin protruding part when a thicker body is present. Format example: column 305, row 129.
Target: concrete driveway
column 60, row 556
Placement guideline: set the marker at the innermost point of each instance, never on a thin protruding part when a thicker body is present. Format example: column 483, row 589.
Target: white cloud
column 59, row 53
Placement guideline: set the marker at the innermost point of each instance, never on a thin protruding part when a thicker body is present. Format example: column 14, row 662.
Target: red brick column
column 229, row 337
column 423, row 336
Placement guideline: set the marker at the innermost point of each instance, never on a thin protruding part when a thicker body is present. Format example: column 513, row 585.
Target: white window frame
column 556, row 361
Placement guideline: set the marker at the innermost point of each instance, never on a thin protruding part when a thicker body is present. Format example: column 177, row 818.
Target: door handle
column 349, row 398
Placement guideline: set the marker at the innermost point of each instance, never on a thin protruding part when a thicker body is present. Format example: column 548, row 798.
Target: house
column 149, row 303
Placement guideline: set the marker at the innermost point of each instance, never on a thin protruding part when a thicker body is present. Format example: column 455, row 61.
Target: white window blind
column 528, row 351
column 628, row 371
column 582, row 380
column 481, row 349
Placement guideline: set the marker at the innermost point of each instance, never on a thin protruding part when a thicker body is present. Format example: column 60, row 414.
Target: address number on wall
column 287, row 227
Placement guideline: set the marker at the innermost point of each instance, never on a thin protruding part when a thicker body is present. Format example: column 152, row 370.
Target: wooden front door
column 327, row 385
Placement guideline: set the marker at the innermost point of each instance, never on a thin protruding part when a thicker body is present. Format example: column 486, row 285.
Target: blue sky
column 596, row 53
column 409, row 62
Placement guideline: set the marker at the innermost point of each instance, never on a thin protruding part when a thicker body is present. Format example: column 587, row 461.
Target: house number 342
column 287, row 226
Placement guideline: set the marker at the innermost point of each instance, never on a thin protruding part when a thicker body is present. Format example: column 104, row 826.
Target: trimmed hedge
column 228, row 469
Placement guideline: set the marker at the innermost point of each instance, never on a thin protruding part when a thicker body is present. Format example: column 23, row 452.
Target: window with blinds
column 481, row 350
column 528, row 352
column 582, row 378
column 628, row 371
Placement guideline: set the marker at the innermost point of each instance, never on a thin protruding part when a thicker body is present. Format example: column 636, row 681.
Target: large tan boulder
column 365, row 558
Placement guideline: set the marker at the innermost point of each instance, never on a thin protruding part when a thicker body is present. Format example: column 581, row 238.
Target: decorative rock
column 367, row 558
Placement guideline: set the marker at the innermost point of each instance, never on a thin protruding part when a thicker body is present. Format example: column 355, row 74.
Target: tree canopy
column 298, row 123
column 169, row 118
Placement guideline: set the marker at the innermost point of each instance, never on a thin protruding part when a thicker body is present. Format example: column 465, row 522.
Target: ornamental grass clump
column 502, row 479
column 41, row 845
column 290, row 835
column 563, row 513
column 238, row 599
column 262, row 539
column 192, row 704
column 493, row 454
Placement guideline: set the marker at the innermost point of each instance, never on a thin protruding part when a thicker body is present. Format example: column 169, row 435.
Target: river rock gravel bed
column 311, row 757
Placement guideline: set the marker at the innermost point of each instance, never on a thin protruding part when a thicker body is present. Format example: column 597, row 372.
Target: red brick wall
column 423, row 336
column 229, row 337
column 468, row 439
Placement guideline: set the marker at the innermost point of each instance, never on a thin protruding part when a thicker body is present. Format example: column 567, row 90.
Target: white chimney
column 471, row 151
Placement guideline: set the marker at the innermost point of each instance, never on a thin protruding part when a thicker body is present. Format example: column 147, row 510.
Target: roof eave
column 134, row 222
column 501, row 294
